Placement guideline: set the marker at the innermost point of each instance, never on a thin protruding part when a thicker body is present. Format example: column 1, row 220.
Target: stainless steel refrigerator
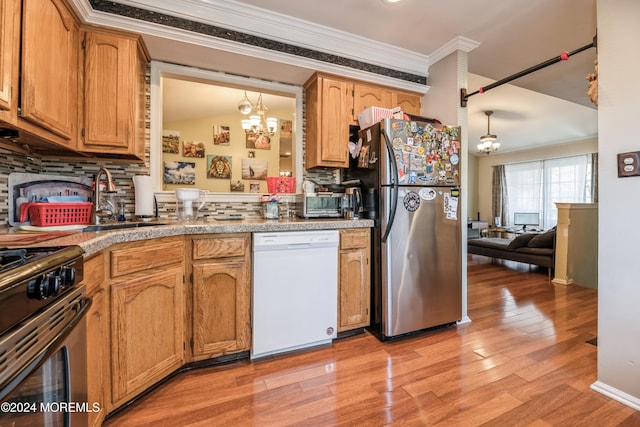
column 410, row 171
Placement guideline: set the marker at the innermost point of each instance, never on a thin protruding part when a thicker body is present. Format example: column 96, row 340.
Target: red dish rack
column 45, row 214
column 281, row 184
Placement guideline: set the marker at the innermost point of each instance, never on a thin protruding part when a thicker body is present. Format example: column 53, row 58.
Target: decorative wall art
column 193, row 149
column 285, row 129
column 221, row 135
column 251, row 154
column 237, row 186
column 258, row 141
column 254, row 169
column 219, row 166
column 179, row 173
column 171, row 141
column 254, row 186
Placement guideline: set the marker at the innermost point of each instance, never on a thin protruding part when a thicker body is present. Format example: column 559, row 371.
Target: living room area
column 539, row 207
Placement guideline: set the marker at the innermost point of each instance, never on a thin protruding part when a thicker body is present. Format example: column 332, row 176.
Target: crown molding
column 457, row 43
column 231, row 15
column 91, row 16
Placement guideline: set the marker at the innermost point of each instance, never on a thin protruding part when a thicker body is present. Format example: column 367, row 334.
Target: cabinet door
column 335, row 109
column 147, row 330
column 355, row 282
column 221, row 308
column 98, row 356
column 410, row 103
column 9, row 40
column 353, row 310
column 110, row 85
column 49, row 67
column 369, row 96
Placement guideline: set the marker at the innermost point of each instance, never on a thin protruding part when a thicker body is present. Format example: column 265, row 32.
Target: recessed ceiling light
column 390, row 1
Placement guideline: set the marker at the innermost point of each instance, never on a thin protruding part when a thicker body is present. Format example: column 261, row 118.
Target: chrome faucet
column 99, row 212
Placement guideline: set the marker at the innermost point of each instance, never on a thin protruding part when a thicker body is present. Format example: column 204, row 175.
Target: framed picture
column 258, row 141
column 254, row 186
column 193, row 149
column 171, row 141
column 251, row 154
column 237, row 186
column 254, row 169
column 218, row 166
column 179, row 173
column 221, row 135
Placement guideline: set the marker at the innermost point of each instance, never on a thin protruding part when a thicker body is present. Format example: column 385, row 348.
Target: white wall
column 619, row 203
column 486, row 163
column 446, row 77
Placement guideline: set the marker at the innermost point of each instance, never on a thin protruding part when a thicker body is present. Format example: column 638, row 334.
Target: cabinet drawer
column 221, row 247
column 147, row 256
column 352, row 239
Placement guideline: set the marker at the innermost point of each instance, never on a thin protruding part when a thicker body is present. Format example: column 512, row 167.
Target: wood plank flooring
column 523, row 360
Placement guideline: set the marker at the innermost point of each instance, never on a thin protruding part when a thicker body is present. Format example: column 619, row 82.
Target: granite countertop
column 93, row 242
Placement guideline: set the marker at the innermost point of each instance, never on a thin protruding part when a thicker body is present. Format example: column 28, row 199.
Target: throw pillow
column 544, row 240
column 520, row 241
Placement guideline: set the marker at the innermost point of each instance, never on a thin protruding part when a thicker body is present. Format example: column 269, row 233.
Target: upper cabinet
column 113, row 88
column 9, row 19
column 67, row 90
column 49, row 74
column 333, row 103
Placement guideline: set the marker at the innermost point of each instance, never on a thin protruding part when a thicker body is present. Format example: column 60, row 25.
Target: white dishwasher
column 295, row 290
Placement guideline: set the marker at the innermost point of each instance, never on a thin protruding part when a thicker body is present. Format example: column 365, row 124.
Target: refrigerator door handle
column 394, row 187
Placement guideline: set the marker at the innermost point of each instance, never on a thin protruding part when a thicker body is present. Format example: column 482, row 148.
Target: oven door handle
column 37, row 360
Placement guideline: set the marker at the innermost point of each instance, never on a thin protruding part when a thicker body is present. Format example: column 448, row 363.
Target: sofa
column 531, row 248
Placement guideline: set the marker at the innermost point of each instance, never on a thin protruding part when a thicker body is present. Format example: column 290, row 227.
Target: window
column 537, row 186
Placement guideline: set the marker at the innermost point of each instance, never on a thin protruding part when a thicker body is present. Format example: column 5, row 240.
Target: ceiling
column 547, row 107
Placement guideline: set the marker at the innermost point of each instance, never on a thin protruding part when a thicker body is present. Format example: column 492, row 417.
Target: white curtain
column 536, row 187
column 524, row 187
column 565, row 181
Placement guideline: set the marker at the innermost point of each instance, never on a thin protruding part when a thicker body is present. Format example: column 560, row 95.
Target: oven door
column 44, row 380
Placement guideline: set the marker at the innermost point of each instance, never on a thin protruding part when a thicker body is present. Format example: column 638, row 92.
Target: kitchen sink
column 119, row 226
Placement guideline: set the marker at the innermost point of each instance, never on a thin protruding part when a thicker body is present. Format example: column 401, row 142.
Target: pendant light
column 488, row 143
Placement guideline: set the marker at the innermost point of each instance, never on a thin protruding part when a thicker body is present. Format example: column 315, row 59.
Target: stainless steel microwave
column 319, row 205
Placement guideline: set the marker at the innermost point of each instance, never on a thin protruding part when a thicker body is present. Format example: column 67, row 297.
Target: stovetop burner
column 10, row 258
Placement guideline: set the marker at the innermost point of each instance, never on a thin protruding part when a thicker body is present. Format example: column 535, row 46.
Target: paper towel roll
column 143, row 186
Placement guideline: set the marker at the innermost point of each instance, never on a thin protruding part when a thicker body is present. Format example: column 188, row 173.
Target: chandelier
column 258, row 123
column 488, row 143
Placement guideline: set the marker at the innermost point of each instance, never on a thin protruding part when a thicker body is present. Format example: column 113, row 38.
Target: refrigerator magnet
column 454, row 159
column 411, row 201
column 427, row 194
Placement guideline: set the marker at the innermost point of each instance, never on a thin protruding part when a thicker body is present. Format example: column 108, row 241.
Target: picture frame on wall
column 183, row 173
column 259, row 141
column 171, row 141
column 219, row 166
column 193, row 149
column 221, row 135
column 254, row 169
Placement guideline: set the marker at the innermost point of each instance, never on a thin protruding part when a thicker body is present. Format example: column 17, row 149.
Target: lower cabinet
column 98, row 355
column 354, row 285
column 221, row 295
column 147, row 315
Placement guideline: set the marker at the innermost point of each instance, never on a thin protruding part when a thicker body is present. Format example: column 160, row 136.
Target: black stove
column 33, row 278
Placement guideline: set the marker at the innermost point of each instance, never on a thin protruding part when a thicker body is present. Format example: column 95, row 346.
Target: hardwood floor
column 523, row 360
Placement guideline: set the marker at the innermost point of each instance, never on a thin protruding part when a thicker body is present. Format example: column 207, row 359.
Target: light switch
column 628, row 164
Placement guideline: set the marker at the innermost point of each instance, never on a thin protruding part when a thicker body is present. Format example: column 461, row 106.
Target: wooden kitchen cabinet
column 98, row 356
column 49, row 73
column 147, row 314
column 354, row 285
column 9, row 53
column 329, row 105
column 365, row 96
column 333, row 103
column 112, row 108
column 411, row 103
column 221, row 295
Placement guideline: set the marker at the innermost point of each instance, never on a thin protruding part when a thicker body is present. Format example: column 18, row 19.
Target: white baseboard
column 615, row 394
column 464, row 320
